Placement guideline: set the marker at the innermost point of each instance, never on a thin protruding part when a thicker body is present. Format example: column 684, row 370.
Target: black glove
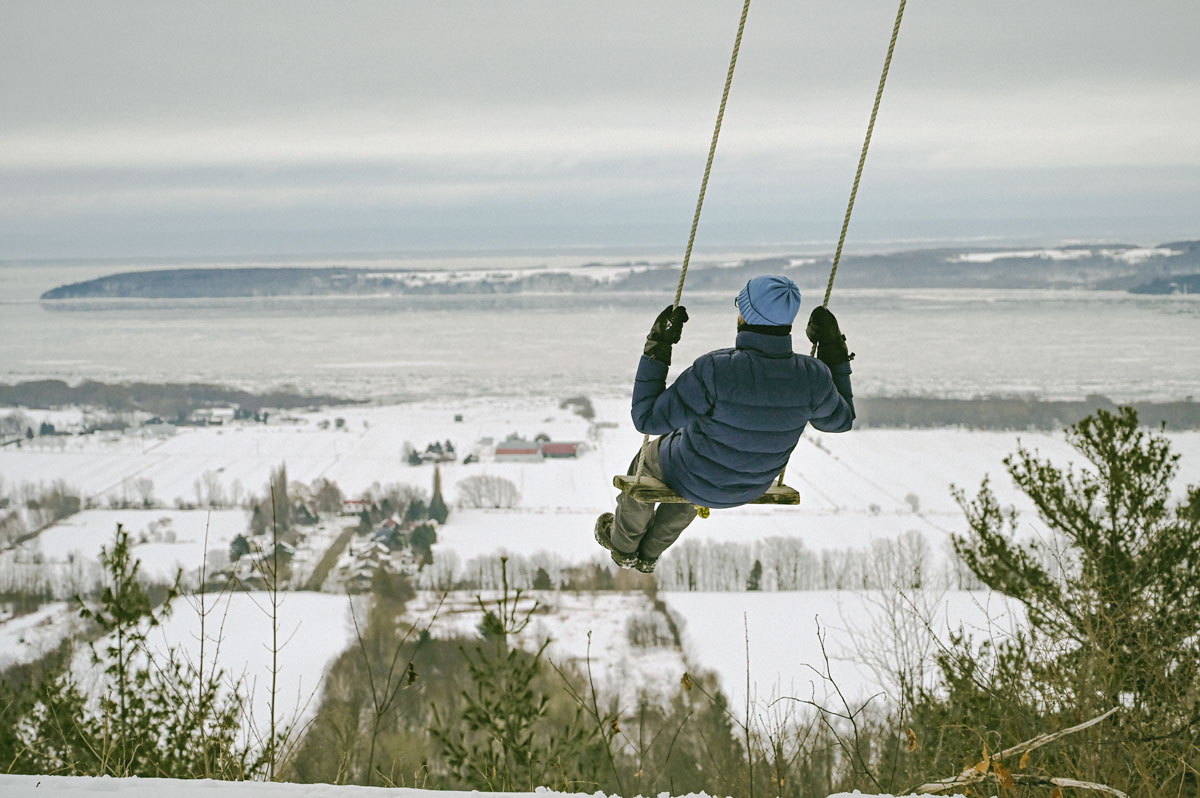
column 823, row 331
column 665, row 333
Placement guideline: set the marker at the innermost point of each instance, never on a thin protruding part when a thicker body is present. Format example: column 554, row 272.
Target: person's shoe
column 645, row 566
column 604, row 526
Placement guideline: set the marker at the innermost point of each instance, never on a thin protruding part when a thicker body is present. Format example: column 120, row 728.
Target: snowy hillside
column 858, row 490
column 314, row 628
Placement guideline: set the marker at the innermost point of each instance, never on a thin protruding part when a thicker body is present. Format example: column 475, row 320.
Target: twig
column 850, row 715
column 746, row 725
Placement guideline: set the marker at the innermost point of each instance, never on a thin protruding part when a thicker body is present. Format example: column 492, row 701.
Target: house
column 391, row 534
column 159, row 429
column 552, row 450
column 374, row 553
column 354, row 506
column 213, row 416
column 515, row 450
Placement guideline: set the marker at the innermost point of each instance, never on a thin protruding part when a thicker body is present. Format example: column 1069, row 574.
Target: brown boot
column 604, row 527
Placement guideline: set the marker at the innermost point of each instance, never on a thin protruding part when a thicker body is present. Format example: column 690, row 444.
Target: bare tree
column 144, row 488
column 483, row 491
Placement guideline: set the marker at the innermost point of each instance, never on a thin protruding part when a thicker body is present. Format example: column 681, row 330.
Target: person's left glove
column 823, row 330
column 665, row 333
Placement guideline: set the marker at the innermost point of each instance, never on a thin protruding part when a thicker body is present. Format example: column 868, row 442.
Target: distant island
column 1165, row 268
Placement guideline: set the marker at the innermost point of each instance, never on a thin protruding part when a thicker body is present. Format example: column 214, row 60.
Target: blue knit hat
column 770, row 300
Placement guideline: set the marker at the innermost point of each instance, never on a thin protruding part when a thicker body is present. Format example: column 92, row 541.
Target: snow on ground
column 67, row 787
column 1132, row 255
column 1045, row 254
column 783, row 632
column 866, row 475
column 856, row 488
column 314, row 628
column 164, row 540
column 579, row 626
column 26, row 638
column 313, row 546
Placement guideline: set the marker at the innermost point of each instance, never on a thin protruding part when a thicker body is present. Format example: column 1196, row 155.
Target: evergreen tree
column 238, row 547
column 281, row 509
column 1120, row 578
column 258, row 521
column 437, row 506
column 423, row 538
column 1112, row 591
column 501, row 741
column 156, row 715
column 541, row 580
column 417, row 511
column 755, row 578
column 602, row 578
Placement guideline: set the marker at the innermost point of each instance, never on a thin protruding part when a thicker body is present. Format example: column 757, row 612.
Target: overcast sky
column 163, row 128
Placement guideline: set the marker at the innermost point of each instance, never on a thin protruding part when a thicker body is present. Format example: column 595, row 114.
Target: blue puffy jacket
column 732, row 419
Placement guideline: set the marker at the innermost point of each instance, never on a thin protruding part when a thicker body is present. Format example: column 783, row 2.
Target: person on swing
column 729, row 422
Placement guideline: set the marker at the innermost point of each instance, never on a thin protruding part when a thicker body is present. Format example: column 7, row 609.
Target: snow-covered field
column 164, row 540
column 866, row 486
column 65, row 787
column 779, row 637
column 579, row 627
column 25, row 638
column 855, row 488
column 314, row 628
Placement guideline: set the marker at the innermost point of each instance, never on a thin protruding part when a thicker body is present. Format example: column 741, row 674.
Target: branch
column 1057, row 782
column 980, row 770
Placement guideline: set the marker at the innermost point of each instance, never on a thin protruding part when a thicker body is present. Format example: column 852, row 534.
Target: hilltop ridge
column 1111, row 267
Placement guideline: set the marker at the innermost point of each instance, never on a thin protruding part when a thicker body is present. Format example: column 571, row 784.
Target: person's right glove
column 823, row 331
column 665, row 333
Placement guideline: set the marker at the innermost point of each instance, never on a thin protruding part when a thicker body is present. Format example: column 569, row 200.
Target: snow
column 314, row 628
column 599, row 274
column 164, row 540
column 1130, row 255
column 853, row 487
column 26, row 638
column 1140, row 254
column 782, row 632
column 68, row 787
column 1046, row 254
column 579, row 627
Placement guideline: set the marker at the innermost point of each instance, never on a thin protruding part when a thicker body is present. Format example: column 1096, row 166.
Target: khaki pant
column 639, row 526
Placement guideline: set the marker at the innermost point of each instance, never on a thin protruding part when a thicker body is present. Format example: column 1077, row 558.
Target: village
column 327, row 537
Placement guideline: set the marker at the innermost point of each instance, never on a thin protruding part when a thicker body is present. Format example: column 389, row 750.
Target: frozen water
column 962, row 343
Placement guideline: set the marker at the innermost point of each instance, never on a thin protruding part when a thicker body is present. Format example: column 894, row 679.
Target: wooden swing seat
column 649, row 489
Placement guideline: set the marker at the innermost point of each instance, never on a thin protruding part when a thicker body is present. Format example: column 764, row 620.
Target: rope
column 862, row 160
column 712, row 151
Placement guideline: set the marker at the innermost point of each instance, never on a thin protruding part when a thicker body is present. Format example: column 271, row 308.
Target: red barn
column 558, row 450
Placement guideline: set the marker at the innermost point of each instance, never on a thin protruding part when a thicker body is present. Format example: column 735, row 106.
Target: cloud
column 456, row 111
